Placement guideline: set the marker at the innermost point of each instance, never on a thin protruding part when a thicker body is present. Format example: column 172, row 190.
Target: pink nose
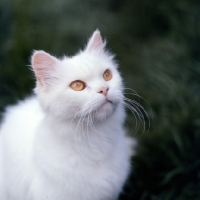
column 104, row 90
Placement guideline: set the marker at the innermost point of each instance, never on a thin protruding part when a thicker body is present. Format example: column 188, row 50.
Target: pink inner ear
column 95, row 42
column 43, row 65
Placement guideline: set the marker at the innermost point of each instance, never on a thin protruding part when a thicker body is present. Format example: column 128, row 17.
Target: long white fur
column 63, row 144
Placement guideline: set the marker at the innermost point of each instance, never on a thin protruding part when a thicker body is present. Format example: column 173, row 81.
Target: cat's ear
column 95, row 42
column 44, row 65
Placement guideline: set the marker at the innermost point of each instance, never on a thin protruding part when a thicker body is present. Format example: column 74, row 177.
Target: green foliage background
column 157, row 44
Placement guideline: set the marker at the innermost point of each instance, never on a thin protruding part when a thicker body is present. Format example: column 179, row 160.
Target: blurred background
column 157, row 45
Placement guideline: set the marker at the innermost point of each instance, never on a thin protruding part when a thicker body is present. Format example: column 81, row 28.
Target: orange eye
column 77, row 85
column 107, row 75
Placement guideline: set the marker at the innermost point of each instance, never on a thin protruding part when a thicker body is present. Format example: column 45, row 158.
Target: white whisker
column 134, row 93
column 136, row 109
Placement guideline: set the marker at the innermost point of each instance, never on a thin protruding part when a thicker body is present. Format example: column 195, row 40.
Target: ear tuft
column 44, row 66
column 96, row 43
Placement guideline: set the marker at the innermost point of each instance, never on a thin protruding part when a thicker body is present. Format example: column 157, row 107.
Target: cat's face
column 86, row 87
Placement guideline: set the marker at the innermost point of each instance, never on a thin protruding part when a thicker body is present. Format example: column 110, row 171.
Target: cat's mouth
column 106, row 106
column 107, row 102
column 103, row 110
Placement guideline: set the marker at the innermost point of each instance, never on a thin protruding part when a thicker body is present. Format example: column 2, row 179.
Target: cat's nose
column 104, row 90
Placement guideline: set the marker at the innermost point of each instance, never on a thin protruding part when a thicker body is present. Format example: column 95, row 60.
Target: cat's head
column 86, row 86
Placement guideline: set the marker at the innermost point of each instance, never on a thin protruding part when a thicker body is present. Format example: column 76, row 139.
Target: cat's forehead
column 86, row 66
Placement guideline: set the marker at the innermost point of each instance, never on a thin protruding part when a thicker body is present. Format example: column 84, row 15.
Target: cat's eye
column 77, row 85
column 107, row 75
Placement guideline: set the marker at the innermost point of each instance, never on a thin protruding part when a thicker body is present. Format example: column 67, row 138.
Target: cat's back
column 22, row 116
column 18, row 126
column 16, row 137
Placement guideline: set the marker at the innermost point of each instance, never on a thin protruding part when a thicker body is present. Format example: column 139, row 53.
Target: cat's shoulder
column 27, row 109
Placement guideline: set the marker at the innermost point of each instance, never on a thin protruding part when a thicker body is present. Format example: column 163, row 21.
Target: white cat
column 68, row 141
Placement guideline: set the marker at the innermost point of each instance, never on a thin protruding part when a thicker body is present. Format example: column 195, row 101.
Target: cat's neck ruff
column 94, row 142
column 79, row 126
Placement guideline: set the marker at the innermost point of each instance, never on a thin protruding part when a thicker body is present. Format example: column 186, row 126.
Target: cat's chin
column 105, row 110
